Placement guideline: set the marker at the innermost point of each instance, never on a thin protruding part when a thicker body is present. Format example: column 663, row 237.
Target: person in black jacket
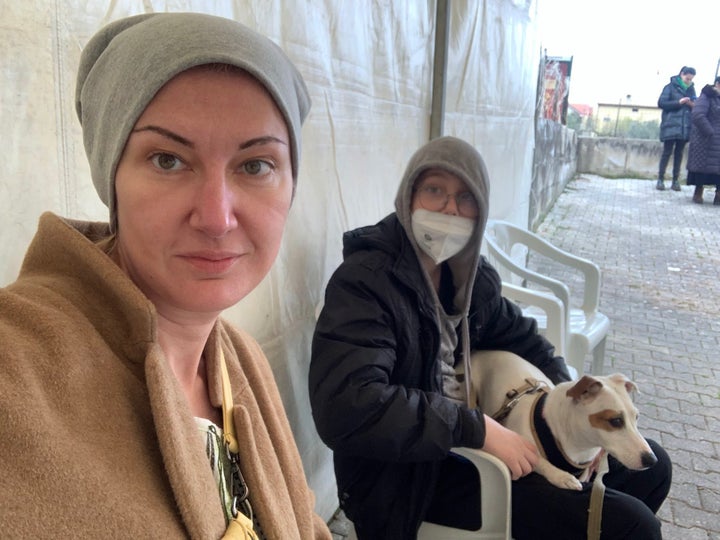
column 676, row 101
column 402, row 313
column 704, row 151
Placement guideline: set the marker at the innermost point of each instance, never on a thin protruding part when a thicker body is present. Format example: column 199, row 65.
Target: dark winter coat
column 704, row 150
column 676, row 122
column 375, row 381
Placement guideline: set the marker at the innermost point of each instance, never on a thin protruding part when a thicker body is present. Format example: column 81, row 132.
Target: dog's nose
column 648, row 459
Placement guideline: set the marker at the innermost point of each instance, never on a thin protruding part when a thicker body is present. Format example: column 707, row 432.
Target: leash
column 513, row 397
column 597, row 495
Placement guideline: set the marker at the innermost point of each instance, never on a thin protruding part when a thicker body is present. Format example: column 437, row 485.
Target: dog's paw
column 565, row 480
column 557, row 477
column 572, row 483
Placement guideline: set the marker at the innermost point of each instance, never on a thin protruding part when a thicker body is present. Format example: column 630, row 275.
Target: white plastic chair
column 494, row 503
column 549, row 312
column 585, row 327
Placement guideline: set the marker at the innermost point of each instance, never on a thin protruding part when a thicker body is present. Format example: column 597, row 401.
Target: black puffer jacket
column 675, row 123
column 375, row 384
column 704, row 150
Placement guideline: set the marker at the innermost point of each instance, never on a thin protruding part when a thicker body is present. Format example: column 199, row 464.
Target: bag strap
column 241, row 526
column 227, row 407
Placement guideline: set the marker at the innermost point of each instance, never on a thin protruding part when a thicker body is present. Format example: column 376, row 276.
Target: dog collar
column 547, row 444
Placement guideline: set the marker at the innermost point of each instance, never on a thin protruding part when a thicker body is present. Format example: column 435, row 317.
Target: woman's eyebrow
column 166, row 133
column 267, row 139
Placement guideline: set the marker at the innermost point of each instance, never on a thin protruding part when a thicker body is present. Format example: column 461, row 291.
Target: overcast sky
column 622, row 47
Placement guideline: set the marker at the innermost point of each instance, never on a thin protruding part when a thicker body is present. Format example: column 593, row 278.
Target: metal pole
column 437, row 110
column 617, row 117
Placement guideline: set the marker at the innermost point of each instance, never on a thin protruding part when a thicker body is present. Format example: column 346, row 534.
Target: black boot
column 697, row 196
column 675, row 185
column 660, row 186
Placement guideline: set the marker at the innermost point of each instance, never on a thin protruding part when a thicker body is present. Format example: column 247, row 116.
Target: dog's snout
column 648, row 459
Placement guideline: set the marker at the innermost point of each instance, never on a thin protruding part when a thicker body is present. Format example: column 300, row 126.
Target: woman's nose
column 451, row 207
column 214, row 205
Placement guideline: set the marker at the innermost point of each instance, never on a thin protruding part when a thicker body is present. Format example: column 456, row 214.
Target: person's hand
column 685, row 100
column 519, row 454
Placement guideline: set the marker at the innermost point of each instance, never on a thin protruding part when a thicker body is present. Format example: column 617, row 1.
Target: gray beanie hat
column 128, row 61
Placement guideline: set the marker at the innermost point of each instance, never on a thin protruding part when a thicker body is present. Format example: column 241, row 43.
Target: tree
column 644, row 130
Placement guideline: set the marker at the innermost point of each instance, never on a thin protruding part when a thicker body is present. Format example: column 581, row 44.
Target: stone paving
column 660, row 259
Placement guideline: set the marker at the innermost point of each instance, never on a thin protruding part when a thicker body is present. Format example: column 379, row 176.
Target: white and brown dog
column 571, row 423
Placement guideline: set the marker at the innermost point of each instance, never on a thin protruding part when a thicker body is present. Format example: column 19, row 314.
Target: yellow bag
column 240, row 528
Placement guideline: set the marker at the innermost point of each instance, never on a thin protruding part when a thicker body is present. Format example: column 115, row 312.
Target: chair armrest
column 495, row 478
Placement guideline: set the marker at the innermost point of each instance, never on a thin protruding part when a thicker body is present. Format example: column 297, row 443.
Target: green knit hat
column 128, row 61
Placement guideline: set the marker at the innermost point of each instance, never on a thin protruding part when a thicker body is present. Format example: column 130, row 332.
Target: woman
column 112, row 387
column 410, row 301
column 704, row 150
column 676, row 101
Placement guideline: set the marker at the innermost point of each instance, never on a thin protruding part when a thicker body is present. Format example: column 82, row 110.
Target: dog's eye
column 617, row 422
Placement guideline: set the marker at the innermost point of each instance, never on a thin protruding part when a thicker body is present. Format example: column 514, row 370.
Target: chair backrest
column 499, row 247
column 586, row 328
column 508, row 247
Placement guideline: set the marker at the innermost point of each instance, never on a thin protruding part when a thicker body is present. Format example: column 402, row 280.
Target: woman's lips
column 211, row 262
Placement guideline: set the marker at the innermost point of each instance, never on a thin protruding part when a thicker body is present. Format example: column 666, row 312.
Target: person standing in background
column 676, row 101
column 704, row 151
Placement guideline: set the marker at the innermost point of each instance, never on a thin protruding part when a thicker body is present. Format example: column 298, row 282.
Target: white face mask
column 441, row 235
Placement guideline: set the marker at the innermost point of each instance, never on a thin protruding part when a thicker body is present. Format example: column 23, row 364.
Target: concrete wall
column 622, row 158
column 554, row 165
column 560, row 154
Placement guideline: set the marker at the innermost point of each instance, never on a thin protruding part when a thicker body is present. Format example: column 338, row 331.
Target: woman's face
column 203, row 189
column 687, row 78
column 440, row 191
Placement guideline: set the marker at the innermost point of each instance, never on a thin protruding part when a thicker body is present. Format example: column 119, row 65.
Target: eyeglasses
column 435, row 198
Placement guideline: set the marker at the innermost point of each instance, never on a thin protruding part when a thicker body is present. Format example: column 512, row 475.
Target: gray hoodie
column 462, row 160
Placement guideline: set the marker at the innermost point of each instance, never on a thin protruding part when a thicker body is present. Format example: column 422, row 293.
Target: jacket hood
column 459, row 158
column 709, row 91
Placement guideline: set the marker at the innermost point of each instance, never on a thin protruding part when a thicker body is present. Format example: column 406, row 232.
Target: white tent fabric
column 368, row 66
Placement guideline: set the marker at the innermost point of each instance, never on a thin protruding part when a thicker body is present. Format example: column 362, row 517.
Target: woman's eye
column 466, row 197
column 166, row 162
column 257, row 167
column 433, row 190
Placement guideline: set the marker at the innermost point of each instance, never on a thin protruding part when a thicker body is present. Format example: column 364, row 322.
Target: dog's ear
column 585, row 388
column 619, row 378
